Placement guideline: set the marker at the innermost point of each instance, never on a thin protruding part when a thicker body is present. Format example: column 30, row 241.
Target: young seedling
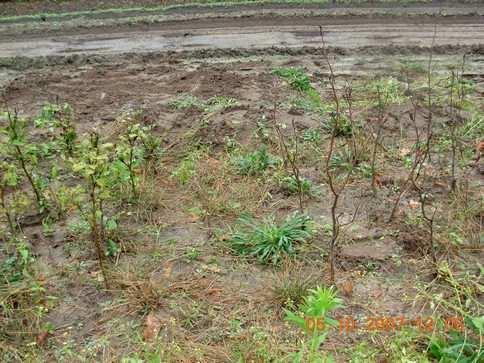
column 93, row 164
column 129, row 152
column 312, row 318
column 58, row 121
column 25, row 155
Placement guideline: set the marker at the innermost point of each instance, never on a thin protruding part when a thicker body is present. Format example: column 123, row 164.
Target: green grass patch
column 269, row 241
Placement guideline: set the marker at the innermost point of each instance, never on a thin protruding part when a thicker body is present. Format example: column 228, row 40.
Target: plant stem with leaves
column 93, row 165
column 17, row 142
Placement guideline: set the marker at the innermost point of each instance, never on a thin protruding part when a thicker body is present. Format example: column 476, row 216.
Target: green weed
column 312, row 317
column 384, row 92
column 459, row 347
column 340, row 125
column 290, row 186
column 188, row 166
column 254, row 163
column 300, row 81
column 268, row 241
column 312, row 135
column 213, row 104
column 296, row 77
column 187, row 101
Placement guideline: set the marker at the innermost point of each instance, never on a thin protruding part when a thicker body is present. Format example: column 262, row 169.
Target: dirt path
column 256, row 33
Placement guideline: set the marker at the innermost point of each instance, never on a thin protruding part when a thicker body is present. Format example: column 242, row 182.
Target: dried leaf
column 42, row 338
column 152, row 327
column 413, row 204
column 347, row 288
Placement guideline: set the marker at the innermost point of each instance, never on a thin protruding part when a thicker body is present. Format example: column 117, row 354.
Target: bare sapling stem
column 97, row 228
column 381, row 119
column 331, row 177
column 452, row 129
column 348, row 96
column 417, row 160
column 429, row 132
column 291, row 157
column 5, row 207
column 423, row 195
column 457, row 94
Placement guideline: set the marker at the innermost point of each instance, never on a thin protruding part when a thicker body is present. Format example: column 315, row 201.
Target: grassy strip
column 201, row 3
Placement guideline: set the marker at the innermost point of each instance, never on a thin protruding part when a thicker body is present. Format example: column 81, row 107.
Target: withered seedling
column 5, row 183
column 382, row 100
column 418, row 158
column 418, row 175
column 456, row 98
column 420, row 183
column 291, row 157
column 336, row 183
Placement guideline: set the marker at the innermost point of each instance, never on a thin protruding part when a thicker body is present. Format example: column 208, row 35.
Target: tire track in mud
column 245, row 37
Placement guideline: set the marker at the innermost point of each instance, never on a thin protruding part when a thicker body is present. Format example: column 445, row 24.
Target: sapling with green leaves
column 16, row 147
column 136, row 150
column 58, row 121
column 93, row 165
column 130, row 153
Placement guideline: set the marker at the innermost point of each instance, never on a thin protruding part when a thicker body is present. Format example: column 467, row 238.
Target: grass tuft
column 268, row 241
column 254, row 163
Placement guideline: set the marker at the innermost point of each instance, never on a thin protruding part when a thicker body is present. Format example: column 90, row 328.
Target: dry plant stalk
column 417, row 160
column 291, row 157
column 423, row 197
column 417, row 175
column 5, row 207
column 331, row 178
column 381, row 120
column 348, row 97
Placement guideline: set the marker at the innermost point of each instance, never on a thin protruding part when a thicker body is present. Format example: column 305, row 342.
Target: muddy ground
column 211, row 304
column 16, row 8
